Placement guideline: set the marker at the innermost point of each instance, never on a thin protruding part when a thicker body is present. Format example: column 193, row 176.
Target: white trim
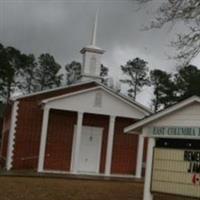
column 88, row 174
column 147, row 195
column 160, row 114
column 140, row 150
column 110, row 145
column 73, row 148
column 43, row 139
column 77, row 143
column 99, row 78
column 11, row 137
column 92, row 49
column 100, row 148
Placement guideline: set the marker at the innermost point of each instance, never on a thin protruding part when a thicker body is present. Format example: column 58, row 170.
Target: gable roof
column 105, row 89
column 162, row 113
column 122, row 97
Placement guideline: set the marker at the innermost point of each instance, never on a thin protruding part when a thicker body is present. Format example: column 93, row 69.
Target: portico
column 88, row 152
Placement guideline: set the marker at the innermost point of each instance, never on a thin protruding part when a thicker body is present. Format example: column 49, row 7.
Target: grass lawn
column 20, row 188
column 36, row 188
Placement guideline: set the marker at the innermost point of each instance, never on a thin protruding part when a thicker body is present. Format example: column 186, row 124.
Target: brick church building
column 76, row 129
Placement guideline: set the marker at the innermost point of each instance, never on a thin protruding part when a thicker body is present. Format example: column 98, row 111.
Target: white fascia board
column 51, row 90
column 145, row 121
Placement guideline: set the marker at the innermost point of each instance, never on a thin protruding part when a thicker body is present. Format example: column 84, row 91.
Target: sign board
column 176, row 171
column 175, row 132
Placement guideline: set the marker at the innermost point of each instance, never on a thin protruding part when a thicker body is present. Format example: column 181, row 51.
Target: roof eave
column 140, row 124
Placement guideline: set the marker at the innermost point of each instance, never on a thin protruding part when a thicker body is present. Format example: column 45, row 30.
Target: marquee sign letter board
column 176, row 171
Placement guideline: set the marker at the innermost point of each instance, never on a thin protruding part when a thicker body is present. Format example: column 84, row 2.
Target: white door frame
column 73, row 148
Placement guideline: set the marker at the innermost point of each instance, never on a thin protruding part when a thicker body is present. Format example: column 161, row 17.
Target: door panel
column 90, row 149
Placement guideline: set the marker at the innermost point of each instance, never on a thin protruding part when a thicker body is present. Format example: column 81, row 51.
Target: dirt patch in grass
column 19, row 188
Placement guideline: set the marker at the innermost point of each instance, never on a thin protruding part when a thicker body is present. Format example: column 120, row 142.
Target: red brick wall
column 145, row 155
column 29, row 120
column 124, row 148
column 1, row 125
column 59, row 140
column 5, row 132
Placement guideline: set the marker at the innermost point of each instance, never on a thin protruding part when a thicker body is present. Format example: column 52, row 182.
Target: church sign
column 176, row 171
column 175, row 132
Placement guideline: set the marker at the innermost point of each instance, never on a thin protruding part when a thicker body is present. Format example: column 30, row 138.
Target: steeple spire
column 94, row 31
column 92, row 54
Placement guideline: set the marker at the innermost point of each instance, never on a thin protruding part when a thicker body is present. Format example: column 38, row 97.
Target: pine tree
column 11, row 63
column 104, row 71
column 136, row 71
column 188, row 81
column 104, row 74
column 28, row 82
column 47, row 73
column 73, row 72
column 164, row 89
column 3, row 64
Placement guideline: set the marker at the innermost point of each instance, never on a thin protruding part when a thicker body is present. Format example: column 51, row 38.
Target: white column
column 140, row 150
column 147, row 184
column 43, row 139
column 110, row 145
column 77, row 142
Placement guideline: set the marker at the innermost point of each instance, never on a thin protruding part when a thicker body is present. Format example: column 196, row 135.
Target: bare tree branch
column 187, row 11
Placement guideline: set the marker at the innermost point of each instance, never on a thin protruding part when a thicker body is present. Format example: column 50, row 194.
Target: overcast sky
column 63, row 27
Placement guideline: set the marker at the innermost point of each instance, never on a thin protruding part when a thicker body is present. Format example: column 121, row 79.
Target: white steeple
column 92, row 54
column 94, row 31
